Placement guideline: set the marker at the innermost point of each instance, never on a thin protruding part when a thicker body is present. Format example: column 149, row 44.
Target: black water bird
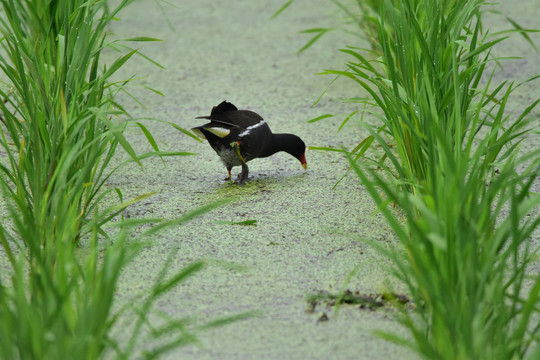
column 239, row 136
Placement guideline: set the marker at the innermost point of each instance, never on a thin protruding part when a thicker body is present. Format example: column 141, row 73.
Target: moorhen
column 239, row 136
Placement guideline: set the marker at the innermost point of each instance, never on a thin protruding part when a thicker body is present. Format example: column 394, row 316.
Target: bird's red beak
column 303, row 161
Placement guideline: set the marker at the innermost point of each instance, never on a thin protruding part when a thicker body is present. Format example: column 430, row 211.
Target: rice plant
column 453, row 171
column 431, row 71
column 450, row 163
column 468, row 260
column 58, row 302
column 60, row 123
column 60, row 126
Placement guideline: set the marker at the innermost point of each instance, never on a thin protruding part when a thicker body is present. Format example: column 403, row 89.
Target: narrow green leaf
column 363, row 145
column 347, row 119
column 189, row 216
column 150, row 60
column 154, row 90
column 523, row 32
column 325, row 148
column 187, row 132
column 164, row 153
column 179, row 128
column 229, row 319
column 245, row 222
column 118, row 64
column 281, row 9
column 313, row 39
column 325, row 116
column 119, row 136
column 148, row 136
column 314, row 30
column 190, row 270
column 141, row 38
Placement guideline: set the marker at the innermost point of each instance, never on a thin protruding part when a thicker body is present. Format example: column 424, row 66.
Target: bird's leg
column 241, row 179
column 229, row 168
column 243, row 176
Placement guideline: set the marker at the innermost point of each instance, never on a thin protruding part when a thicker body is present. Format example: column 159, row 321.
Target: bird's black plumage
column 239, row 136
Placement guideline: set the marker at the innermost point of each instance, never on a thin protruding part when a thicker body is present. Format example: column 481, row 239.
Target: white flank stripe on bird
column 249, row 128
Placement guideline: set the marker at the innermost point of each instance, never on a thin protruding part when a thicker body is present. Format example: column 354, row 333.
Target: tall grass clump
column 60, row 127
column 58, row 112
column 432, row 70
column 453, row 166
column 59, row 303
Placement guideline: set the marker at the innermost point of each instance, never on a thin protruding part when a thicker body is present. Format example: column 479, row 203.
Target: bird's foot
column 241, row 179
column 243, row 176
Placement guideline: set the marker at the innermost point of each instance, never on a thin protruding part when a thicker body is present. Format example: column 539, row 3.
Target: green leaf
column 325, row 148
column 281, row 9
column 141, row 38
column 347, row 119
column 189, row 216
column 147, row 58
column 148, row 136
column 118, row 64
column 153, row 90
column 161, row 154
column 523, row 32
column 245, row 222
column 325, row 116
column 119, row 136
column 314, row 30
column 178, row 278
column 320, row 31
column 183, row 131
column 363, row 145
